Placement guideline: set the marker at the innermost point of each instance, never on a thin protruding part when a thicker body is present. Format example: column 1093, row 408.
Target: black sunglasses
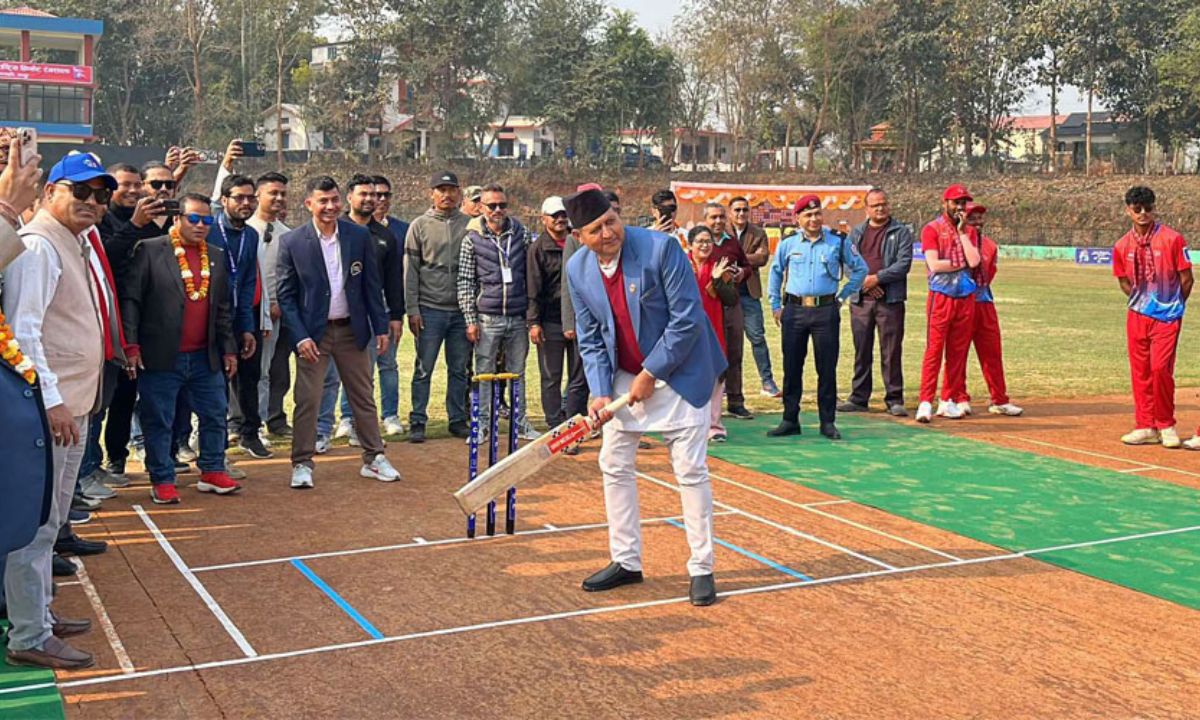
column 197, row 219
column 161, row 184
column 83, row 192
column 496, row 206
column 560, row 215
column 383, row 194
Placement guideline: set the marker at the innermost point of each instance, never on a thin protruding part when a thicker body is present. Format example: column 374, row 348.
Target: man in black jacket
column 544, row 279
column 887, row 246
column 179, row 324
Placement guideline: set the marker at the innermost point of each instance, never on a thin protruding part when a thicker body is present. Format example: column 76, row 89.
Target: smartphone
column 170, row 207
column 253, row 149
column 28, row 138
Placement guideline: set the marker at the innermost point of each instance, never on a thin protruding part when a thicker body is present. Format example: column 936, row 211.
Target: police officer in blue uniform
column 805, row 301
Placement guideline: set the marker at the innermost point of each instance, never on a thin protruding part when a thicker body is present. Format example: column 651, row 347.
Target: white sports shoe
column 924, row 412
column 354, row 441
column 187, row 454
column 964, row 408
column 1006, row 409
column 344, row 428
column 301, row 477
column 380, row 469
column 941, row 409
column 952, row 411
column 528, row 433
column 1192, row 444
column 1170, row 438
column 393, row 426
column 1142, row 436
column 322, row 445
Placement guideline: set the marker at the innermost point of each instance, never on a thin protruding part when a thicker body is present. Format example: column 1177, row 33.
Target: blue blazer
column 25, row 443
column 241, row 299
column 302, row 284
column 676, row 338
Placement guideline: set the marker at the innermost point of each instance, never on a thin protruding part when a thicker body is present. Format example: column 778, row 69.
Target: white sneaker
column 1142, row 436
column 263, row 438
column 483, row 436
column 322, row 445
column 952, row 411
column 1170, row 438
column 393, row 426
column 301, row 477
column 186, row 454
column 924, row 412
column 380, row 469
column 354, row 441
column 93, row 487
column 964, row 408
column 344, row 428
column 528, row 433
column 1193, row 444
column 1006, row 409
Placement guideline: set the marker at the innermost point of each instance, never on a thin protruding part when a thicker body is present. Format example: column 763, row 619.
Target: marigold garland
column 10, row 350
column 189, row 278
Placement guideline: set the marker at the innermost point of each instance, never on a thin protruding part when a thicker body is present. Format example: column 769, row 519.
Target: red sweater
column 195, row 312
column 629, row 355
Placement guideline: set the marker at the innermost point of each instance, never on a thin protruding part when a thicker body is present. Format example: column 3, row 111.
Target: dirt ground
column 898, row 620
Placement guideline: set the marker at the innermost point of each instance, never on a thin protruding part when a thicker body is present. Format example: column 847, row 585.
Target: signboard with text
column 46, row 72
column 1093, row 256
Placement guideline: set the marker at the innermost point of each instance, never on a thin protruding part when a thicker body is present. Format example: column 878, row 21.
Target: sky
column 656, row 16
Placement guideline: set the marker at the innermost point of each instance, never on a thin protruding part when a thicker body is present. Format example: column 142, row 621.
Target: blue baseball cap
column 80, row 167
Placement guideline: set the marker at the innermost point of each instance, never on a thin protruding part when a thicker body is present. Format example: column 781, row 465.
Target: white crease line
column 426, row 543
column 822, row 503
column 188, row 575
column 1114, row 458
column 1137, row 469
column 106, row 624
column 461, row 629
column 831, row 516
column 420, row 541
column 548, row 526
column 68, row 584
column 779, row 526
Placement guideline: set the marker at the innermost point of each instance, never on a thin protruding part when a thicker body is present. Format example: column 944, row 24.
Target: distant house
column 1029, row 136
column 518, row 136
column 882, row 151
column 295, row 130
column 1107, row 130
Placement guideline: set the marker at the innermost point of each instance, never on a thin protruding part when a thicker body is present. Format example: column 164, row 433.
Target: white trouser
column 689, row 460
column 264, row 379
column 715, row 426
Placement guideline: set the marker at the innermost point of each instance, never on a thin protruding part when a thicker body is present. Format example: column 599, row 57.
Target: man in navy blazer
column 642, row 330
column 331, row 297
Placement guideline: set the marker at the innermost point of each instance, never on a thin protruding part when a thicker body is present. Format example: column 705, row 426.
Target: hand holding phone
column 29, row 145
column 252, row 149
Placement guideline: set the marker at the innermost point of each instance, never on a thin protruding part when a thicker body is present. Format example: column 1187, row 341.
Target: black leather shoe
column 69, row 627
column 897, row 410
column 75, row 545
column 830, row 431
column 460, row 429
column 416, row 433
column 785, row 428
column 62, row 567
column 741, row 413
column 613, row 576
column 850, row 406
column 703, row 590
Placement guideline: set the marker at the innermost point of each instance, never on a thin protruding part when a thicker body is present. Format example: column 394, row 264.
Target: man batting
column 642, row 330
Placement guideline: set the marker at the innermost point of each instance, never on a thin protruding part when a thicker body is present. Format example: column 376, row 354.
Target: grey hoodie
column 431, row 260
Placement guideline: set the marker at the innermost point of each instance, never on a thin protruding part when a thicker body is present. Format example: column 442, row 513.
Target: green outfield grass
column 1064, row 336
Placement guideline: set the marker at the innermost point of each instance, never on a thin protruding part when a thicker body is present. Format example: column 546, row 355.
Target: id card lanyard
column 230, row 255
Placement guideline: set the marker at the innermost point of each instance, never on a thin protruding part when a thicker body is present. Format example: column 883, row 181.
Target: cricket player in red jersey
column 1152, row 264
column 986, row 333
column 951, row 254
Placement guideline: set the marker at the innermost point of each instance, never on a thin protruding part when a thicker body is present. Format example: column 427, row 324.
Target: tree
column 1089, row 43
column 645, row 79
column 918, row 60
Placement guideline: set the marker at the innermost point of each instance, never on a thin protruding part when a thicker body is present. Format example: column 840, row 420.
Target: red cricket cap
column 974, row 207
column 956, row 192
column 588, row 186
column 808, row 202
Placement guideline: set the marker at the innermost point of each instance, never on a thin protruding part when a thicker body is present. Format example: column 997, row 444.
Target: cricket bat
column 528, row 461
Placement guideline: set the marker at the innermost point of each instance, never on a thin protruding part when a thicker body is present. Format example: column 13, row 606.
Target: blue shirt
column 814, row 267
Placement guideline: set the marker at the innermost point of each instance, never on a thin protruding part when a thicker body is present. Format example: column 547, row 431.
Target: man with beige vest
column 51, row 301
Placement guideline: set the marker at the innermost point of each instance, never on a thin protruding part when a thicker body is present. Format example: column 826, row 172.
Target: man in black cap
column 431, row 253
column 642, row 331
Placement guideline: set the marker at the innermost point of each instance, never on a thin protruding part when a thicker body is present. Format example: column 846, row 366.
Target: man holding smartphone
column 951, row 250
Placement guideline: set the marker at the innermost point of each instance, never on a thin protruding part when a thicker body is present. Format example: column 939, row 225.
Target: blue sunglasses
column 197, row 218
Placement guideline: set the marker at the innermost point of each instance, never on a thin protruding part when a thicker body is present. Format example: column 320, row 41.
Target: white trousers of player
column 689, row 460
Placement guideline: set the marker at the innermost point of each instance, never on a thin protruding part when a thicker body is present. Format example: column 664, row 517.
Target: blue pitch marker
column 752, row 555
column 338, row 599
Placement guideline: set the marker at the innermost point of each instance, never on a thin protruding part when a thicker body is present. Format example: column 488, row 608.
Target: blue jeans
column 160, row 390
column 92, row 454
column 756, row 333
column 329, row 396
column 509, row 333
column 389, row 384
column 451, row 328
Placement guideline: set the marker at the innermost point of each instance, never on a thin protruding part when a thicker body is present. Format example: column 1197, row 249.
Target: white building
column 296, row 135
column 517, row 137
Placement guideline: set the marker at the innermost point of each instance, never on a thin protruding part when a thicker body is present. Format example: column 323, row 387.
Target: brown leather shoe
column 54, row 653
column 67, row 627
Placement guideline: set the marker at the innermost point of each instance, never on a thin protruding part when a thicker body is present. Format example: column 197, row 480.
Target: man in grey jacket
column 887, row 246
column 431, row 253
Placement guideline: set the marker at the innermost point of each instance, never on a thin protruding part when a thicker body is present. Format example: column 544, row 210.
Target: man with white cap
column 545, row 318
column 642, row 330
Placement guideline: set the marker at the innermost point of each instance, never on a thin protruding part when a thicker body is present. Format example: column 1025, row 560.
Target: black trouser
column 822, row 324
column 280, row 374
column 735, row 335
column 550, row 363
column 245, row 387
column 119, row 424
column 888, row 318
